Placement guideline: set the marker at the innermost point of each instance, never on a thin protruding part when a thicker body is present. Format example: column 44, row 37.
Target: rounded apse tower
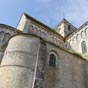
column 18, row 66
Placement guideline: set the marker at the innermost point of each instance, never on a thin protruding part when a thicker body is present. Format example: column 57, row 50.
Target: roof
column 64, row 20
column 50, row 29
column 7, row 26
column 86, row 23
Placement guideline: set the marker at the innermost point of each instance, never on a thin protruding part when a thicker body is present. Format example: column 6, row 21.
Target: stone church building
column 33, row 55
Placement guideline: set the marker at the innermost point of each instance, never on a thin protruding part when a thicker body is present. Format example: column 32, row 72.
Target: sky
column 49, row 12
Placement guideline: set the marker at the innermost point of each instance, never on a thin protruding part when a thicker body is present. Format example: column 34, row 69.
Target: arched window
column 7, row 35
column 77, row 37
column 1, row 35
column 84, row 48
column 52, row 60
column 82, row 34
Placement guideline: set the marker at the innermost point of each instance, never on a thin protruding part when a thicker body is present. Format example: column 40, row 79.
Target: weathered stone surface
column 70, row 71
column 26, row 59
column 16, row 77
column 5, row 33
column 40, row 71
column 19, row 62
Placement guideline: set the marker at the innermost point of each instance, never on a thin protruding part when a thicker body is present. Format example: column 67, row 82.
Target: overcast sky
column 50, row 12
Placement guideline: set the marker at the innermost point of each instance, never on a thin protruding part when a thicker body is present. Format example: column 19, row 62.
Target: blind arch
column 84, row 47
column 1, row 36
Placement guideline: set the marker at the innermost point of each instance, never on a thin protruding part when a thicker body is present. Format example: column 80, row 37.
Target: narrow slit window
column 69, row 27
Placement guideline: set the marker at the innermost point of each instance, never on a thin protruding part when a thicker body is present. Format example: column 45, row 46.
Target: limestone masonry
column 34, row 55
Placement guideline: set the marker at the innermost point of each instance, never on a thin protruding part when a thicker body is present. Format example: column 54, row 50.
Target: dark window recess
column 69, row 27
column 52, row 60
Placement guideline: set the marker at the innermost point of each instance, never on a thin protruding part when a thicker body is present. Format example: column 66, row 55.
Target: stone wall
column 29, row 25
column 5, row 33
column 76, row 38
column 17, row 69
column 41, row 65
column 26, row 65
column 46, row 33
column 70, row 70
column 65, row 28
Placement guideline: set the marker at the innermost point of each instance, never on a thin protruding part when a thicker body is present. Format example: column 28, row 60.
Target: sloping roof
column 33, row 19
column 83, row 25
column 7, row 26
column 86, row 23
column 64, row 20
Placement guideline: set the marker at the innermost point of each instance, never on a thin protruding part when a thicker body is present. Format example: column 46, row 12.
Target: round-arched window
column 52, row 60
